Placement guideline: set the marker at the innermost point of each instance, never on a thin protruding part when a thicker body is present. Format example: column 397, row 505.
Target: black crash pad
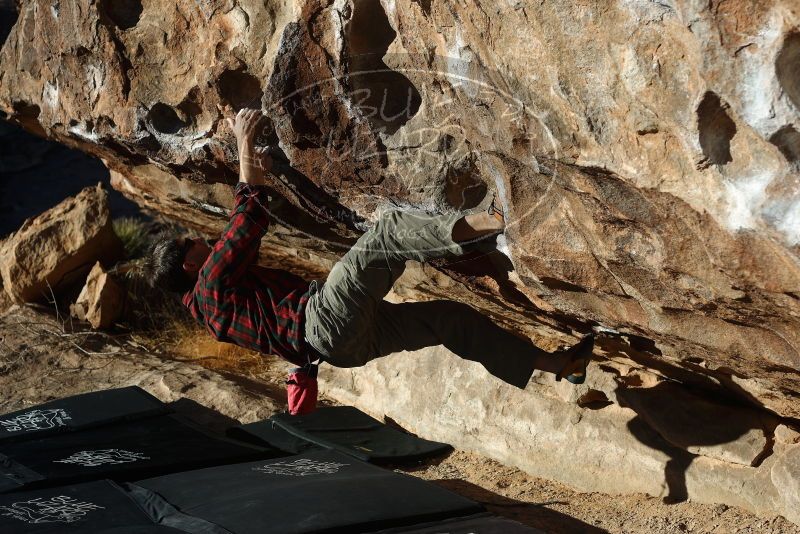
column 79, row 412
column 122, row 451
column 268, row 433
column 342, row 428
column 477, row 524
column 99, row 507
column 315, row 492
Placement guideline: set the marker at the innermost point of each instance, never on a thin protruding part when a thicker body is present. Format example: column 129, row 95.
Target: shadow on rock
column 683, row 425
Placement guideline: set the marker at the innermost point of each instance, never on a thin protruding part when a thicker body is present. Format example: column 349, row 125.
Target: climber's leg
column 343, row 309
column 465, row 332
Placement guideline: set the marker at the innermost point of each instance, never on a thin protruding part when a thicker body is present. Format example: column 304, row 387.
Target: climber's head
column 173, row 263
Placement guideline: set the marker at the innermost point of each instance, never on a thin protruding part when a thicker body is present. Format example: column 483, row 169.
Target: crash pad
column 323, row 491
column 100, row 507
column 477, row 524
column 125, row 450
column 342, row 428
column 79, row 412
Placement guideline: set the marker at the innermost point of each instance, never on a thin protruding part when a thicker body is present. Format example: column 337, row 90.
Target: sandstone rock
column 647, row 151
column 58, row 247
column 784, row 476
column 652, row 176
column 785, row 434
column 534, row 430
column 731, row 433
column 101, row 301
column 5, row 299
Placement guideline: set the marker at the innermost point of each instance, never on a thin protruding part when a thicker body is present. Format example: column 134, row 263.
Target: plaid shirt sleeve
column 228, row 263
column 237, row 249
column 238, row 302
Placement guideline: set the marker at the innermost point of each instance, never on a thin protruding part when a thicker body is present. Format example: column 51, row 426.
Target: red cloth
column 242, row 303
column 302, row 389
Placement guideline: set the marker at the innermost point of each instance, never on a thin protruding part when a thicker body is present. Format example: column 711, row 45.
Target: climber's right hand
column 245, row 126
column 253, row 164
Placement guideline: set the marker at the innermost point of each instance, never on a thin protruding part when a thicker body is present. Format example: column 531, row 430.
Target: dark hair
column 163, row 265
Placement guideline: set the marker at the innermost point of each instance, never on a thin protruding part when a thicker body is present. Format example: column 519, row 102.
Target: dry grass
column 192, row 342
column 165, row 327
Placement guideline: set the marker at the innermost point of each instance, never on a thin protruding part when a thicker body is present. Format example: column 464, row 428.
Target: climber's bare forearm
column 251, row 169
column 254, row 162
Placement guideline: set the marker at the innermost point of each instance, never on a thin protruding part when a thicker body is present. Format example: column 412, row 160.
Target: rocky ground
column 555, row 507
column 44, row 356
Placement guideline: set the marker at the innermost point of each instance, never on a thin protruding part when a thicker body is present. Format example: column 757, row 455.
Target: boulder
column 56, row 249
column 736, row 434
column 605, row 448
column 5, row 299
column 647, row 153
column 651, row 178
column 784, row 476
column 786, row 434
column 101, row 301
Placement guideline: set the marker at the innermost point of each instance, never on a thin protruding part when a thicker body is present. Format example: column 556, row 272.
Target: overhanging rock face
column 649, row 153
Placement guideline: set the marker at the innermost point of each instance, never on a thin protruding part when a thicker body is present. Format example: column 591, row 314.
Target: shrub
column 134, row 234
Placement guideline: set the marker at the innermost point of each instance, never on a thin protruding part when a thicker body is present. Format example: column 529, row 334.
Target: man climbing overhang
column 344, row 320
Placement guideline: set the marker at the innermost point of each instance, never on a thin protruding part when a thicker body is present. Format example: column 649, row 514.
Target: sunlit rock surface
column 101, row 300
column 649, row 153
column 55, row 250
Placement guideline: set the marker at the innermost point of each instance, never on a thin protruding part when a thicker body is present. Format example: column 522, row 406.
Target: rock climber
column 344, row 321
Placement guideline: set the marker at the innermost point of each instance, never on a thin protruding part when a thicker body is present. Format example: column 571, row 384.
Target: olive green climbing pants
column 349, row 323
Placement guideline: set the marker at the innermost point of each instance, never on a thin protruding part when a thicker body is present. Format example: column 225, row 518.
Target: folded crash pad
column 100, row 507
column 268, row 433
column 477, row 524
column 125, row 450
column 79, row 412
column 343, row 428
column 315, row 492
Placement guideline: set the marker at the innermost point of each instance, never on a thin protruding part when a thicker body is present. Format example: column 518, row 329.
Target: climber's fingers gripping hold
column 245, row 126
column 263, row 157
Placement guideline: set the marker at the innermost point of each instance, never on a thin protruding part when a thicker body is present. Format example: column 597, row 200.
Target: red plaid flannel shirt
column 242, row 303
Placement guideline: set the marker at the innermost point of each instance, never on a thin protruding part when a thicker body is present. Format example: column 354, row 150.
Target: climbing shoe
column 580, row 355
